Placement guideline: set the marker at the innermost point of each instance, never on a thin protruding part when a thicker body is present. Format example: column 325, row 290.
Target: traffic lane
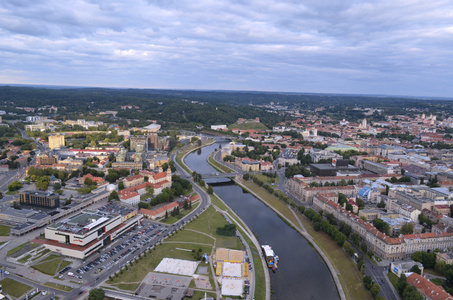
column 378, row 275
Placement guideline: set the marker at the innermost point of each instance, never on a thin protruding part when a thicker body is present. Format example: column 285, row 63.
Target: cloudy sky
column 398, row 47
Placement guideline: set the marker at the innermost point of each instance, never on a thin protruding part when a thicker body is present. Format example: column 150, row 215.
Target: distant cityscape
column 97, row 199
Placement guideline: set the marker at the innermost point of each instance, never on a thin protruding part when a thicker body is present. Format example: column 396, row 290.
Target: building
column 45, row 160
column 219, row 127
column 56, row 141
column 404, row 267
column 447, row 257
column 133, row 180
column 39, row 198
column 137, row 141
column 133, row 166
column 382, row 245
column 428, row 289
column 154, row 214
column 86, row 232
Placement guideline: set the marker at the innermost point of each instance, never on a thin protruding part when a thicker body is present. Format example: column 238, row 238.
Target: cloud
column 386, row 47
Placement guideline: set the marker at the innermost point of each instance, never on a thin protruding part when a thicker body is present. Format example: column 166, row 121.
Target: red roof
column 159, row 210
column 429, row 289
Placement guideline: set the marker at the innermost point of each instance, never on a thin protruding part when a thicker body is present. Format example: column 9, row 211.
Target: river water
column 302, row 273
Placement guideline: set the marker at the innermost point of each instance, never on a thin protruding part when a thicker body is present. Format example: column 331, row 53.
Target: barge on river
column 269, row 255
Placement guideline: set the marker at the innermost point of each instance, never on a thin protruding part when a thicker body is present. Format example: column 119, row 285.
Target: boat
column 269, row 255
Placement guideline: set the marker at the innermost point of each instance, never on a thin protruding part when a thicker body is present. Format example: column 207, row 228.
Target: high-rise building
column 39, row 198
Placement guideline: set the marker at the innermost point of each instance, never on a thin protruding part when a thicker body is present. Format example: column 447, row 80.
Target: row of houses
column 382, row 245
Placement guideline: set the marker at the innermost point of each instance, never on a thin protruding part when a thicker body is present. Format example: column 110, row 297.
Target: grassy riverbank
column 350, row 278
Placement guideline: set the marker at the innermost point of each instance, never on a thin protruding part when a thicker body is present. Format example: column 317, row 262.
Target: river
column 302, row 273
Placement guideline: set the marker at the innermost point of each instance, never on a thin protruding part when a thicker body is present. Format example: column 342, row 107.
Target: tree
column 150, row 190
column 381, row 204
column 246, row 176
column 88, row 181
column 210, row 190
column 166, row 214
column 401, row 284
column 411, row 293
column 14, row 186
column 416, row 269
column 407, row 228
column 382, row 226
column 348, row 248
column 142, row 204
column 340, row 238
column 375, row 289
column 121, row 185
column 114, row 196
column 16, row 205
column 360, row 203
column 367, row 281
column 96, row 294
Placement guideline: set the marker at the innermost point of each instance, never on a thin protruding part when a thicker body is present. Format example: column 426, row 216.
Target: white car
column 6, row 272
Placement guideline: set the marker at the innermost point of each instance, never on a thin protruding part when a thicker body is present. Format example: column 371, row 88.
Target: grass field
column 24, row 259
column 51, row 266
column 4, row 230
column 260, row 286
column 188, row 238
column 350, row 277
column 218, row 166
column 267, row 179
column 348, row 274
column 13, row 287
column 393, row 279
column 20, row 247
column 58, row 286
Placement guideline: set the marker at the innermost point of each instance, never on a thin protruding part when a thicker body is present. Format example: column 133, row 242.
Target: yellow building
column 56, row 141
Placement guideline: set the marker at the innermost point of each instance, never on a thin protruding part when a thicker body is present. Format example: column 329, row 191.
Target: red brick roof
column 429, row 289
column 159, row 210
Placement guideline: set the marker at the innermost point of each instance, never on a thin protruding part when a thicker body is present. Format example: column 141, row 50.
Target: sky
column 391, row 47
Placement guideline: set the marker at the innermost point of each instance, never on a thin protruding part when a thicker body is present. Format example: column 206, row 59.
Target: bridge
column 231, row 174
column 219, row 175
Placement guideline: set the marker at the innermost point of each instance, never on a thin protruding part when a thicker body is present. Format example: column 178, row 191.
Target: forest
column 206, row 107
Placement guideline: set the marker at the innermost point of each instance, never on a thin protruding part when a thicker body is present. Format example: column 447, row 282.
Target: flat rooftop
column 83, row 222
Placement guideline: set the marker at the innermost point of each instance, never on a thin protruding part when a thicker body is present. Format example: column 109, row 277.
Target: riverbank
column 346, row 276
column 262, row 289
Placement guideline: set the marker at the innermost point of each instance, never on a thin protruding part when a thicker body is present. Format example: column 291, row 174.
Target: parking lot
column 122, row 250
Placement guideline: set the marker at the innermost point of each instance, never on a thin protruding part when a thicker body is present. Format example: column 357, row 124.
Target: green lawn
column 218, row 166
column 58, row 286
column 13, row 287
column 260, row 286
column 24, row 259
column 348, row 274
column 130, row 279
column 437, row 281
column 18, row 248
column 393, row 278
column 50, row 267
column 4, row 230
column 10, row 193
column 267, row 179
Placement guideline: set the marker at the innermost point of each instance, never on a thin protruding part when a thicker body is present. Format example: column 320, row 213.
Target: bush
column 227, row 230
